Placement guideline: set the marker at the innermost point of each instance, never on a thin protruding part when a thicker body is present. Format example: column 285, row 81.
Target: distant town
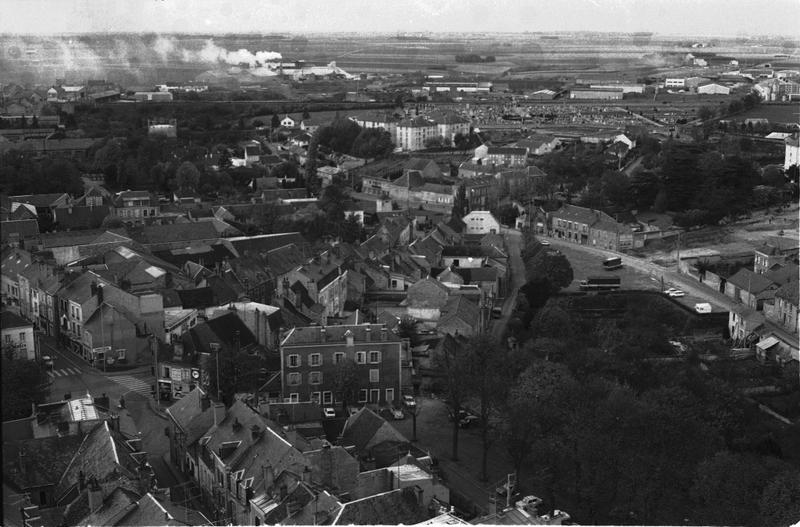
column 526, row 279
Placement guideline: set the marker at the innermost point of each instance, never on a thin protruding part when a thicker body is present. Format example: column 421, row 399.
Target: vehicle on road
column 48, row 362
column 497, row 312
column 465, row 419
column 703, row 307
column 328, row 412
column 397, row 414
column 600, row 283
column 544, row 242
column 409, row 402
column 610, row 264
column 675, row 293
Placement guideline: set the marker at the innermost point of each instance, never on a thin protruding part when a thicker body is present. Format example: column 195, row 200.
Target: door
column 374, row 396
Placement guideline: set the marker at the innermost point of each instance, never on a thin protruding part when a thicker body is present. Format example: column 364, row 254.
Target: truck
column 600, row 283
column 610, row 264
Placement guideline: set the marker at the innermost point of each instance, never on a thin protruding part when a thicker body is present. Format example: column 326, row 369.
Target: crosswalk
column 134, row 384
column 64, row 372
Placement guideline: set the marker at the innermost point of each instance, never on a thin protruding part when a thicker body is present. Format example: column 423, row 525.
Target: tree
column 239, row 371
column 187, row 176
column 345, row 382
column 727, row 487
column 533, row 408
column 779, row 504
column 461, row 141
column 433, row 142
column 225, row 160
column 23, row 382
column 407, row 329
column 312, row 181
column 372, row 143
column 488, row 374
column 460, row 204
column 275, row 121
column 455, row 378
column 285, row 170
column 340, row 135
column 705, row 113
column 306, row 115
column 553, row 266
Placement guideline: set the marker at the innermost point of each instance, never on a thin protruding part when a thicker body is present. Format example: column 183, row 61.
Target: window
column 293, row 361
column 362, row 396
column 315, row 359
column 315, row 397
column 338, row 357
column 120, row 354
column 294, row 397
column 374, row 375
column 374, row 396
column 166, row 372
column 293, row 379
column 327, row 398
column 361, row 357
column 374, row 357
column 315, row 377
column 8, row 339
column 389, row 395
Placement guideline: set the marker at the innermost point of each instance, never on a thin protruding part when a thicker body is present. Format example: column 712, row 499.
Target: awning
column 767, row 343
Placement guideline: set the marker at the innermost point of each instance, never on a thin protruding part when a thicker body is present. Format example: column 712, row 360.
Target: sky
column 676, row 17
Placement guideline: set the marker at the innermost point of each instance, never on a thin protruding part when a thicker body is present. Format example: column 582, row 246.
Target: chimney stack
column 384, row 333
column 323, row 334
column 256, row 432
column 95, row 494
column 368, row 334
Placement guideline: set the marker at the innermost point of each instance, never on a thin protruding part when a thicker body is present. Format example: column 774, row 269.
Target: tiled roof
column 399, row 506
column 418, row 163
column 336, row 334
column 97, row 456
column 749, row 281
column 361, row 428
column 179, row 232
column 40, row 200
column 507, row 150
column 427, row 293
column 789, row 292
column 461, row 308
column 783, row 274
column 223, row 330
column 44, row 459
column 21, row 228
column 265, row 242
column 10, row 320
column 81, row 217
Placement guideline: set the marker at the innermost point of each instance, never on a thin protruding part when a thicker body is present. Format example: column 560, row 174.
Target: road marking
column 134, row 384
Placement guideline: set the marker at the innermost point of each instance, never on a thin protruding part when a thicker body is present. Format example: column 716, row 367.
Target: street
column 74, row 376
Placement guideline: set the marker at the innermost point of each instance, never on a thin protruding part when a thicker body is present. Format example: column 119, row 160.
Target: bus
column 610, row 264
column 600, row 283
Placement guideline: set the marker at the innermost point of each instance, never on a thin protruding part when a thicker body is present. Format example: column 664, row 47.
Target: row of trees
column 23, row 382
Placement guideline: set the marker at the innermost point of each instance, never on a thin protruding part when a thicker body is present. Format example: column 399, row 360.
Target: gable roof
column 41, row 200
column 38, row 462
column 751, row 282
column 265, row 242
column 223, row 330
column 783, row 274
column 97, row 456
column 361, row 428
column 178, row 232
column 459, row 307
column 398, row 506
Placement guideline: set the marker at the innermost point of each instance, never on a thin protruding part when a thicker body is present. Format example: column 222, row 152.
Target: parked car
column 397, row 413
column 544, row 242
column 409, row 402
column 352, row 410
column 328, row 412
column 465, row 419
column 674, row 292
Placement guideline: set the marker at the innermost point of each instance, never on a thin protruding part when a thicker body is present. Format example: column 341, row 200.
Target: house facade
column 16, row 336
column 412, row 132
column 135, row 206
column 481, row 222
column 590, row 227
column 506, row 156
column 312, row 358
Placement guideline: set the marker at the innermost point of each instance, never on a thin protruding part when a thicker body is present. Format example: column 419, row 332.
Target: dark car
column 465, row 419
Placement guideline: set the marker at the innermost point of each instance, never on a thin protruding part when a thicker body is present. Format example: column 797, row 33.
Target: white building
column 674, row 83
column 714, row 89
column 412, row 133
column 17, row 335
column 792, row 156
column 288, row 122
column 481, row 222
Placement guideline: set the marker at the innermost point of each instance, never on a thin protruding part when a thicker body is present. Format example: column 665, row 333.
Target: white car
column 676, row 293
column 328, row 412
column 544, row 242
column 409, row 401
column 397, row 414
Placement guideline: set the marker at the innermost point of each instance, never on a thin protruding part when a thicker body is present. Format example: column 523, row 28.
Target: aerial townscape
column 267, row 266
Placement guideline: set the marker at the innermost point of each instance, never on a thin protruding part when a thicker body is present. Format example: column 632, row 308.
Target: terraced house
column 591, row 227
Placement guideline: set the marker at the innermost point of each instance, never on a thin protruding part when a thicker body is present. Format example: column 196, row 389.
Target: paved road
column 516, row 266
column 671, row 278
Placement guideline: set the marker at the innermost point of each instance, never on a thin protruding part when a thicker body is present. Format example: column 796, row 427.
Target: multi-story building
column 481, row 222
column 16, row 336
column 312, row 361
column 450, row 124
column 480, row 192
column 792, row 153
column 412, row 132
column 135, row 206
column 590, row 227
column 506, row 156
column 386, row 120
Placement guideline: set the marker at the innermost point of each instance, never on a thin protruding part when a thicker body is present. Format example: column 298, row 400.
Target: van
column 497, row 312
column 704, row 307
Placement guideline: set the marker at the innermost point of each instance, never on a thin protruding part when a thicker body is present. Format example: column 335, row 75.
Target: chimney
column 99, row 293
column 113, row 423
column 384, row 333
column 368, row 334
column 93, row 288
column 95, row 495
column 256, row 432
column 323, row 334
column 269, row 478
column 145, row 478
column 306, row 475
